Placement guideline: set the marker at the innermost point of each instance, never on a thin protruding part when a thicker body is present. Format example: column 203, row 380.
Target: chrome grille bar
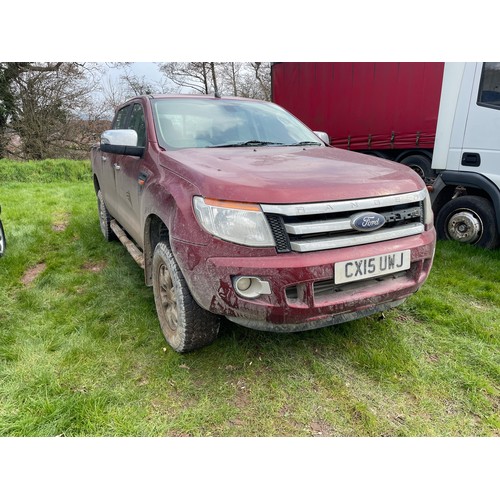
column 346, row 205
column 314, row 244
column 318, row 227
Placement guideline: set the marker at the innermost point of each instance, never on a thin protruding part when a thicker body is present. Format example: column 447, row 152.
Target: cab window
column 121, row 118
column 489, row 88
column 138, row 123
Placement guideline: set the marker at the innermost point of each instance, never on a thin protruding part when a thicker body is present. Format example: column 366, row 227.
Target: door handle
column 116, row 166
column 104, row 158
column 471, row 159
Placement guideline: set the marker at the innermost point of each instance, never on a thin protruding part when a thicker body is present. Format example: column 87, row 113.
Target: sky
column 147, row 69
column 387, row 30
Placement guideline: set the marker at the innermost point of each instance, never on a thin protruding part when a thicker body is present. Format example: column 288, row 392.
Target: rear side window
column 489, row 88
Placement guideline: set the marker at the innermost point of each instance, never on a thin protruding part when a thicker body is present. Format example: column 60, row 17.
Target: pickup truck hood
column 289, row 174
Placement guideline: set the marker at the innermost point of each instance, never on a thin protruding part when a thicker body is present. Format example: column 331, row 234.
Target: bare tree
column 214, row 77
column 263, row 76
column 230, row 78
column 49, row 106
column 200, row 77
column 187, row 75
column 134, row 85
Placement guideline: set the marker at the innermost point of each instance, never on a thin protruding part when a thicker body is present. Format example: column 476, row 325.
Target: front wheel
column 185, row 325
column 468, row 219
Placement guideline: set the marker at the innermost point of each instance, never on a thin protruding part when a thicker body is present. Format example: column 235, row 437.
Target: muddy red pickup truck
column 236, row 209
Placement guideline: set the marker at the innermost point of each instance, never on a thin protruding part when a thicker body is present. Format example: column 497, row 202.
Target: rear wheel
column 468, row 219
column 185, row 325
column 420, row 164
column 104, row 218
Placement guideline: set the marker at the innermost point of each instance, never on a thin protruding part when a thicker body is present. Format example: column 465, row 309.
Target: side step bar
column 137, row 255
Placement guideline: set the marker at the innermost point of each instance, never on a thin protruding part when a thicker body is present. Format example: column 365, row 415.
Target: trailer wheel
column 420, row 164
column 468, row 219
column 104, row 218
column 3, row 243
column 185, row 325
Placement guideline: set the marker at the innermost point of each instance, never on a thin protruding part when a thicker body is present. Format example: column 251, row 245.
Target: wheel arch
column 155, row 230
column 412, row 152
column 418, row 160
column 96, row 183
column 472, row 183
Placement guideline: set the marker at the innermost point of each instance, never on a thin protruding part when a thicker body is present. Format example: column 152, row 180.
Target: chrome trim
column 345, row 206
column 357, row 239
column 318, row 227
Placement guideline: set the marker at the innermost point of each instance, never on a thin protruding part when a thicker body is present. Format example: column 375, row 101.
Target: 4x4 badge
column 367, row 221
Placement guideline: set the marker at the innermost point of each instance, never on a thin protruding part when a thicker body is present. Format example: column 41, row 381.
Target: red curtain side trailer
column 387, row 109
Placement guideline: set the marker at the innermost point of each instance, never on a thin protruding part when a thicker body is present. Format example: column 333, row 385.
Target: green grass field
column 82, row 354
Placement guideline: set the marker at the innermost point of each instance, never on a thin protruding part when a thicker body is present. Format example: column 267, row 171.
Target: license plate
column 371, row 267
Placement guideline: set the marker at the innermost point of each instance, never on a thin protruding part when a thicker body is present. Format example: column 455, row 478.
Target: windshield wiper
column 253, row 142
column 305, row 143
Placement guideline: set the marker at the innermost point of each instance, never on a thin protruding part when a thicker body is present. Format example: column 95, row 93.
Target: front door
column 131, row 174
column 481, row 146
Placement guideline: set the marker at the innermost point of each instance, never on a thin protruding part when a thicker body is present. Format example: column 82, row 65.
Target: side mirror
column 324, row 137
column 121, row 141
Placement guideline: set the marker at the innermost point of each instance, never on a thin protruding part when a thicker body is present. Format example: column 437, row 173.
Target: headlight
column 428, row 213
column 242, row 223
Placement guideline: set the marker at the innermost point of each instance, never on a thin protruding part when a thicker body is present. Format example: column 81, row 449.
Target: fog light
column 244, row 284
column 251, row 287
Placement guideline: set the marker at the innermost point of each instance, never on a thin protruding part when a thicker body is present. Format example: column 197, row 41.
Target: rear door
column 481, row 145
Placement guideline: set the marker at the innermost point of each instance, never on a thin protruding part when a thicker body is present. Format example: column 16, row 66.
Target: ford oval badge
column 367, row 221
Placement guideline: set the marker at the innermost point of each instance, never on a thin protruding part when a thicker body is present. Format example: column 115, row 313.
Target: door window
column 138, row 123
column 121, row 118
column 489, row 88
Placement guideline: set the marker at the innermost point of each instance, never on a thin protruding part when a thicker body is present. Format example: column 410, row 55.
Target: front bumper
column 303, row 293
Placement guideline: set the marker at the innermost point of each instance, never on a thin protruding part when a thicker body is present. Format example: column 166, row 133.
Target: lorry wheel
column 104, row 218
column 420, row 164
column 185, row 325
column 468, row 219
column 3, row 243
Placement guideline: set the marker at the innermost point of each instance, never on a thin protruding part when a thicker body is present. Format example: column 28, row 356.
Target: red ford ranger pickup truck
column 235, row 208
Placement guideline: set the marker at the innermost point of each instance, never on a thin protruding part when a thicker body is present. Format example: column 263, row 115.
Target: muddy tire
column 3, row 242
column 104, row 218
column 468, row 219
column 185, row 325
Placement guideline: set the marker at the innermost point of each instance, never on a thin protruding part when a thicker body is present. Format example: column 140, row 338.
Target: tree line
column 59, row 109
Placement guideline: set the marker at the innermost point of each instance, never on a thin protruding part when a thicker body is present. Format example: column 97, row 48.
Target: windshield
column 203, row 123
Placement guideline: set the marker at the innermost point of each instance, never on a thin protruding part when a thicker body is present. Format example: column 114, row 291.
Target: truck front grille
column 310, row 227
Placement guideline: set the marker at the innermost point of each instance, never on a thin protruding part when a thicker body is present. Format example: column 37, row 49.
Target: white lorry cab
column 466, row 193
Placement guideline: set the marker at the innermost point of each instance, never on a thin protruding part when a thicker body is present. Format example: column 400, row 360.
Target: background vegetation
column 81, row 352
column 56, row 109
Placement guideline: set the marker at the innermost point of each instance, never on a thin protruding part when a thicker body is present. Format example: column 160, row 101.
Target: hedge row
column 56, row 170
